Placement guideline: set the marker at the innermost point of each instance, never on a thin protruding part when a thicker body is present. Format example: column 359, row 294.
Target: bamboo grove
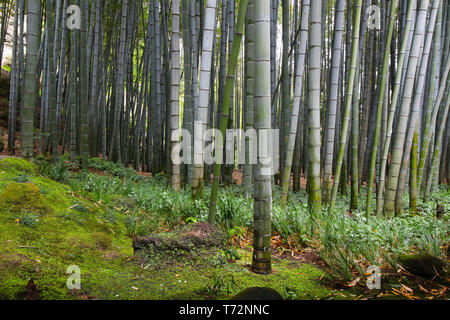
column 359, row 91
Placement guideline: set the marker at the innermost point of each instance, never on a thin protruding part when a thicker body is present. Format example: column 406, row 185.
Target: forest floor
column 55, row 216
column 47, row 226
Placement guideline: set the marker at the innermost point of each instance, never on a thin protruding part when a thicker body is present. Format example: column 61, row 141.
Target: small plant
column 131, row 224
column 21, row 179
column 80, row 208
column 232, row 254
column 221, row 282
column 190, row 220
column 29, row 220
column 236, row 232
column 58, row 171
column 291, row 294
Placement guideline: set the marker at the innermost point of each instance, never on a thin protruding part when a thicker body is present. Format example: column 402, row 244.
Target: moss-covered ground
column 88, row 220
column 45, row 227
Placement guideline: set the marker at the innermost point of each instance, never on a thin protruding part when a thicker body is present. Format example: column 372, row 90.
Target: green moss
column 95, row 240
column 23, row 197
column 102, row 240
column 18, row 164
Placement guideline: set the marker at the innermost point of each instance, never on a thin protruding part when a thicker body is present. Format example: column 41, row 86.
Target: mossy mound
column 422, row 265
column 192, row 240
column 258, row 293
column 18, row 164
column 78, row 231
column 23, row 197
column 102, row 240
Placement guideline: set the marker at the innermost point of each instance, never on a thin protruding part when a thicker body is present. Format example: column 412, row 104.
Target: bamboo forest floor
column 47, row 226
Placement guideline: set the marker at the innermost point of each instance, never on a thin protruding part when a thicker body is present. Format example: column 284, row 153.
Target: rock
column 258, row 293
column 423, row 265
column 440, row 211
column 32, row 292
column 180, row 242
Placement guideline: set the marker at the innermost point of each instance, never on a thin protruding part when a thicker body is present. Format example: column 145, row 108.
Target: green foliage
column 21, row 179
column 235, row 232
column 233, row 210
column 58, row 171
column 345, row 243
column 221, row 282
column 116, row 169
column 231, row 254
column 131, row 224
column 29, row 220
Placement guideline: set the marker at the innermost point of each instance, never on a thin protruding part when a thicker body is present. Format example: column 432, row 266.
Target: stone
column 182, row 241
column 258, row 293
column 423, row 265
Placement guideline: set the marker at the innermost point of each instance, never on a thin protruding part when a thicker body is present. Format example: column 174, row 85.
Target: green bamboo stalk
column 348, row 102
column 204, row 86
column 391, row 112
column 314, row 103
column 231, row 74
column 261, row 262
column 31, row 63
column 384, row 77
column 298, row 89
column 405, row 107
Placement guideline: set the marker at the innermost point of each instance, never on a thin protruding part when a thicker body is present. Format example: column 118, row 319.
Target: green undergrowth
column 88, row 220
column 347, row 243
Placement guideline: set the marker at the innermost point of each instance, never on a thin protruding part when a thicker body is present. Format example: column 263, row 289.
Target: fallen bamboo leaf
column 423, row 289
column 407, row 288
column 353, row 283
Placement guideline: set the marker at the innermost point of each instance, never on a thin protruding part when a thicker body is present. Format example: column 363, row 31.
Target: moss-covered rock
column 18, row 164
column 187, row 238
column 258, row 293
column 23, row 197
column 199, row 240
column 423, row 265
